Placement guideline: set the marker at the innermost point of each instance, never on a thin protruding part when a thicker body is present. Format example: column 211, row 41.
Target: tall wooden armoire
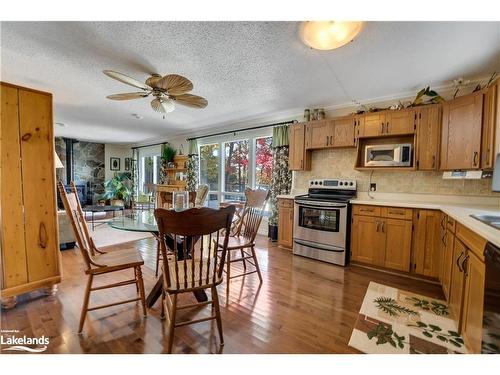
column 30, row 257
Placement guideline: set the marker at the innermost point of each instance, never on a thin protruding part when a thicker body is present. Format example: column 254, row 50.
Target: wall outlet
column 373, row 186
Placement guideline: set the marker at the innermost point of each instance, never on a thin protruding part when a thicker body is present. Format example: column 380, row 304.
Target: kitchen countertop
column 458, row 210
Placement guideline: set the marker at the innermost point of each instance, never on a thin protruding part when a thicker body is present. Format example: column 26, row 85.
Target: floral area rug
column 393, row 321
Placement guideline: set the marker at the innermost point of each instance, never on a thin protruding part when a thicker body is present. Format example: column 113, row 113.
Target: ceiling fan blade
column 128, row 96
column 189, row 100
column 126, row 79
column 175, row 84
column 163, row 105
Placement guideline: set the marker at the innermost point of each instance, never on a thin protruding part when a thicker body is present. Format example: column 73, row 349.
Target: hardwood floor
column 303, row 306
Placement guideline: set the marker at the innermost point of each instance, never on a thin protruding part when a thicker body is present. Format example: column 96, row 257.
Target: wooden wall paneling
column 12, row 220
column 37, row 144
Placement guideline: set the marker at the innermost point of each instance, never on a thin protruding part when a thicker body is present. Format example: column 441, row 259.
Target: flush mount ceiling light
column 327, row 35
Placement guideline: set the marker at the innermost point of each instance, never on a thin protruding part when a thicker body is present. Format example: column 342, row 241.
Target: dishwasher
column 491, row 310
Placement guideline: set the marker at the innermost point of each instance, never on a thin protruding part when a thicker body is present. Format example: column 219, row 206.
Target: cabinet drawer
column 451, row 224
column 366, row 210
column 397, row 213
column 472, row 240
column 284, row 202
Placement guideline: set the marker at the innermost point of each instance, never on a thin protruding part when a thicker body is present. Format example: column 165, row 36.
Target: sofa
column 66, row 236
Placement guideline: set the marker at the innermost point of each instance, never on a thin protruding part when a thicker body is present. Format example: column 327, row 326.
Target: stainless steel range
column 321, row 220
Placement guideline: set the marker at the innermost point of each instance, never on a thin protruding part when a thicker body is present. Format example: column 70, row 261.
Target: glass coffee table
column 96, row 208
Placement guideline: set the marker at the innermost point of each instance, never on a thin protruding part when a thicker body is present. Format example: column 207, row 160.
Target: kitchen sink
column 491, row 220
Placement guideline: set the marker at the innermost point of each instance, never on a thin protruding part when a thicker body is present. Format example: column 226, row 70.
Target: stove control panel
column 333, row 183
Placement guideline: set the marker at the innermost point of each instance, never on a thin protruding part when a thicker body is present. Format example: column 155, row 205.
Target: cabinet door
column 319, row 134
column 13, row 249
column 39, row 193
column 397, row 243
column 428, row 126
column 285, row 224
column 457, row 280
column 461, row 132
column 448, row 264
column 472, row 317
column 489, row 124
column 344, row 132
column 442, row 245
column 399, row 122
column 297, row 159
column 372, row 124
column 367, row 240
column 426, row 257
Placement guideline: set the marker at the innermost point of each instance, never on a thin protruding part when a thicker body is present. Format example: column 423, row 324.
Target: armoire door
column 38, row 176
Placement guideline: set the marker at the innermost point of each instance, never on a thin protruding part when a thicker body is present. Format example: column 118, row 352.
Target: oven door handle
column 326, row 207
column 309, row 244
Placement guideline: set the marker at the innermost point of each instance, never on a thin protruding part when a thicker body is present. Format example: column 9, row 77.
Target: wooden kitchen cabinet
column 472, row 316
column 299, row 159
column 344, row 132
column 285, row 223
column 490, row 108
column 29, row 237
column 379, row 239
column 457, row 280
column 399, row 122
column 397, row 244
column 461, row 132
column 428, row 135
column 449, row 240
column 367, row 241
column 387, row 123
column 319, row 134
column 427, row 250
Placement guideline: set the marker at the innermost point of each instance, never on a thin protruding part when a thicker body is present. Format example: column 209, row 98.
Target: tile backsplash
column 340, row 163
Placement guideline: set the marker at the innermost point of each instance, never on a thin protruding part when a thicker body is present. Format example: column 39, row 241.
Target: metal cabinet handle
column 387, row 127
column 458, row 261
column 382, row 128
column 378, row 223
column 382, row 227
column 433, row 161
column 301, row 164
column 464, row 265
column 474, row 161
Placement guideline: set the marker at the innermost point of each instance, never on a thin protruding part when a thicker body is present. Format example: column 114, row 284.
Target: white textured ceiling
column 246, row 70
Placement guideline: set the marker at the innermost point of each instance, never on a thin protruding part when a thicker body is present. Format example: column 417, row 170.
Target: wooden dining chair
column 165, row 201
column 194, row 264
column 98, row 262
column 244, row 238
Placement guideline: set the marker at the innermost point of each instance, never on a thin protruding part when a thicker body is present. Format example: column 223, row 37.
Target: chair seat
column 116, row 260
column 236, row 243
column 186, row 279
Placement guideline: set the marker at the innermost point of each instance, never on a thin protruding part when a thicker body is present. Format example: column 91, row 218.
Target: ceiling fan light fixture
column 167, row 105
column 328, row 35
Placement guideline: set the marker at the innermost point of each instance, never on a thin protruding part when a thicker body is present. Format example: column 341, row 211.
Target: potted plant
column 168, row 154
column 118, row 189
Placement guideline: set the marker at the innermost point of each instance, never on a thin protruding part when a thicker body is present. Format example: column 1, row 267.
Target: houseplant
column 118, row 189
column 168, row 153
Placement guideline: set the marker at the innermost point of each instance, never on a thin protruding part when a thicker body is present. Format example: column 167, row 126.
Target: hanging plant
column 427, row 96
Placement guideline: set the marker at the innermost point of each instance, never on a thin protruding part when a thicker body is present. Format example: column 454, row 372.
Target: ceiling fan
column 166, row 90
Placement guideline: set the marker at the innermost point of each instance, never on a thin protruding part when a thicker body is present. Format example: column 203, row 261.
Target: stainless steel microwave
column 389, row 155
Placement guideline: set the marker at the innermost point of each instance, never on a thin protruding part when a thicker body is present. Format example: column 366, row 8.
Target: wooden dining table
column 145, row 222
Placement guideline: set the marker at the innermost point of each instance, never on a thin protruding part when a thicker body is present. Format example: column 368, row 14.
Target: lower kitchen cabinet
column 449, row 242
column 285, row 223
column 457, row 279
column 472, row 317
column 381, row 241
column 426, row 256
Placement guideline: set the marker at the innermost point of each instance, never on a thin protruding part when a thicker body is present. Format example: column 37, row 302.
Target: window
column 149, row 168
column 229, row 166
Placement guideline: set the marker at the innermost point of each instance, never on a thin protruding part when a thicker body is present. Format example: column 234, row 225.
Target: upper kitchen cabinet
column 386, row 123
column 490, row 112
column 461, row 132
column 428, row 120
column 319, row 134
column 344, row 132
column 299, row 158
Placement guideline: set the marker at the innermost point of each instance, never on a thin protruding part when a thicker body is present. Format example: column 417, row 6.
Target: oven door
column 320, row 222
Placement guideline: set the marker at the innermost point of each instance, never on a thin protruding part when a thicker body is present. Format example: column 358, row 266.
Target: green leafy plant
column 427, row 96
column 168, row 153
column 391, row 307
column 385, row 334
column 119, row 187
column 434, row 306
